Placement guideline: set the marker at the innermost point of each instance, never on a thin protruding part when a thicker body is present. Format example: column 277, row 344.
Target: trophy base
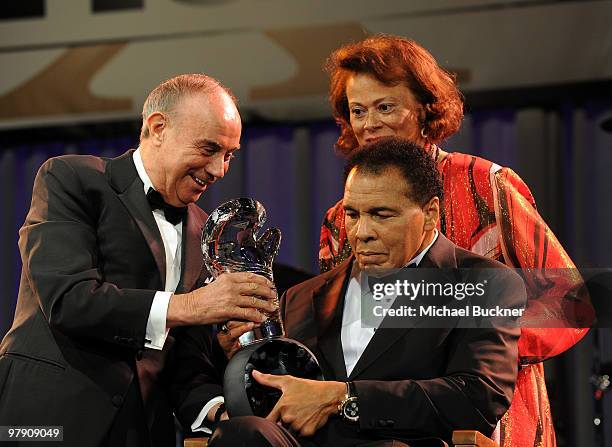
column 244, row 396
column 268, row 329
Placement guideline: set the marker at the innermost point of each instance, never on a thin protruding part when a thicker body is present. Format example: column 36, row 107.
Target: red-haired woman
column 388, row 85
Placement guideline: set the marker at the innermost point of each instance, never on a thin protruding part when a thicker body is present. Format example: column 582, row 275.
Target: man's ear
column 431, row 210
column 157, row 123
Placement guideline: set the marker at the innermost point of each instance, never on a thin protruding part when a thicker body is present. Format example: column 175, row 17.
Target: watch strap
column 351, row 389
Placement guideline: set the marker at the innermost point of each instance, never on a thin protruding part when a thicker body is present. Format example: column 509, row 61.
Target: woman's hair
column 394, row 60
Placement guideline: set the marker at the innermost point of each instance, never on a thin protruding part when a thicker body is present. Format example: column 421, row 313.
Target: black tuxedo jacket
column 411, row 383
column 93, row 259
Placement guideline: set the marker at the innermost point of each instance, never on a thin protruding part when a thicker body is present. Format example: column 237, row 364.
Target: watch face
column 351, row 409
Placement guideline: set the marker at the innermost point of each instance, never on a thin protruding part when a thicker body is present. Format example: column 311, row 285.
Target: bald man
column 112, row 294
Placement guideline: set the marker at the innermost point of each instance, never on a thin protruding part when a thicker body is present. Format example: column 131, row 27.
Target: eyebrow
column 378, row 101
column 209, row 143
column 213, row 145
column 380, row 209
column 375, row 210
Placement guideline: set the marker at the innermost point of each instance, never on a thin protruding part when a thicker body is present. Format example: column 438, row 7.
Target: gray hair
column 166, row 95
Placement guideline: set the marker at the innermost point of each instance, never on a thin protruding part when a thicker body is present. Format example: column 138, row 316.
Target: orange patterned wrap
column 490, row 211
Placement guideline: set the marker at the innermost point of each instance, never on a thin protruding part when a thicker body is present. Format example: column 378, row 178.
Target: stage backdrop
column 561, row 153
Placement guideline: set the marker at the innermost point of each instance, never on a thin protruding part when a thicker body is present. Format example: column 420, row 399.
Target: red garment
column 490, row 211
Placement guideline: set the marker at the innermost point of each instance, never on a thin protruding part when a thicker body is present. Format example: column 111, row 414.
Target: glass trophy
column 230, row 244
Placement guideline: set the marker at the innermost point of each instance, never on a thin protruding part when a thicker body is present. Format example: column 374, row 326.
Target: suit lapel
column 382, row 340
column 440, row 255
column 192, row 259
column 124, row 178
column 328, row 305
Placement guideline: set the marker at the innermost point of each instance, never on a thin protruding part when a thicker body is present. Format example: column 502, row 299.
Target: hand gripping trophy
column 230, row 244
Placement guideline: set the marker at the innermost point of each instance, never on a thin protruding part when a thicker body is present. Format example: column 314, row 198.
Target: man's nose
column 216, row 166
column 364, row 229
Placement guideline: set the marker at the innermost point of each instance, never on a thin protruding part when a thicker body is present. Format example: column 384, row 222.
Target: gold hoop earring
column 423, row 134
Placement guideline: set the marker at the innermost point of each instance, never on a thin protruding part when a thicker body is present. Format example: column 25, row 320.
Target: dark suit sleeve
column 474, row 392
column 58, row 245
column 196, row 372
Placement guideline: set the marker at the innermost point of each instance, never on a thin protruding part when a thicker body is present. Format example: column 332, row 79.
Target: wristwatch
column 349, row 407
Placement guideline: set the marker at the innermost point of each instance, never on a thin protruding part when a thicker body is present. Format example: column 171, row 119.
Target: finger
column 269, row 379
column 257, row 303
column 249, row 277
column 234, row 324
column 236, row 332
column 239, row 329
column 320, row 423
column 247, row 314
column 253, row 289
column 296, row 425
column 307, row 430
column 226, row 338
column 274, row 415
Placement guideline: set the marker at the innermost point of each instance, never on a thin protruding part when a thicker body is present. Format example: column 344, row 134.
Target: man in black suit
column 388, row 383
column 105, row 339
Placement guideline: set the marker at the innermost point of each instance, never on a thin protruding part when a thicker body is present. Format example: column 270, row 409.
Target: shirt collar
column 142, row 173
column 418, row 258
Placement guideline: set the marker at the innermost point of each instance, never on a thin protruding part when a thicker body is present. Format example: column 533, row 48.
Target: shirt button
column 117, row 400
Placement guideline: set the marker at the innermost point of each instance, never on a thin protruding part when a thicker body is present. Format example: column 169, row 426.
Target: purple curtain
column 563, row 155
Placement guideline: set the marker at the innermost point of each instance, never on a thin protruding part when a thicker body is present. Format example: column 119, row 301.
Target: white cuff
column 198, row 423
column 156, row 333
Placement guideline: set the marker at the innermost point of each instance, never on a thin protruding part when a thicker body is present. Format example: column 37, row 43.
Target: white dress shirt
column 354, row 337
column 157, row 332
column 172, row 237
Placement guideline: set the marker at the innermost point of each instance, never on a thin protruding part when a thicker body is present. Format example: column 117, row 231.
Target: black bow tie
column 173, row 214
